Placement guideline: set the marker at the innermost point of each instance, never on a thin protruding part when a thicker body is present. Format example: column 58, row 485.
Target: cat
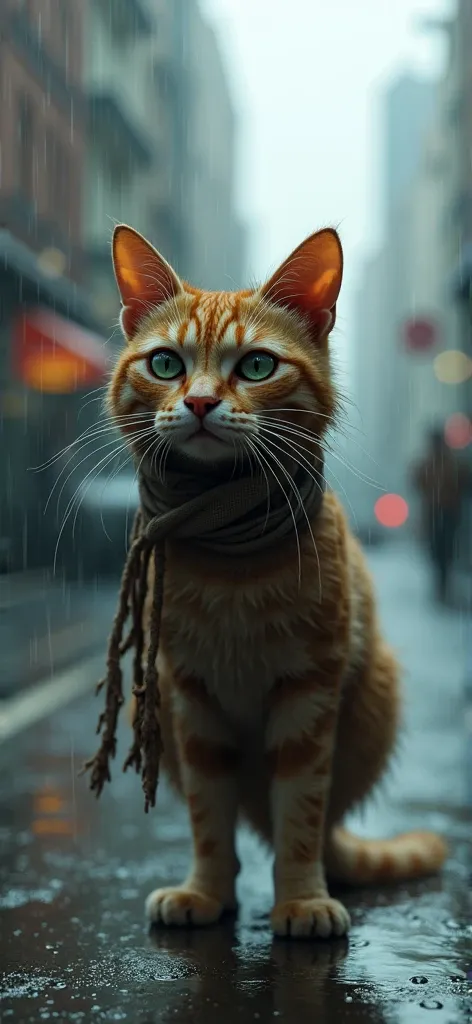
column 280, row 699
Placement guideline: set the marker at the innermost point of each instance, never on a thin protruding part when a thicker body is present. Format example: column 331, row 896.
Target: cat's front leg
column 209, row 763
column 300, row 739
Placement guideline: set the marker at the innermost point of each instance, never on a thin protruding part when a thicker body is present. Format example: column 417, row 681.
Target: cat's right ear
column 145, row 279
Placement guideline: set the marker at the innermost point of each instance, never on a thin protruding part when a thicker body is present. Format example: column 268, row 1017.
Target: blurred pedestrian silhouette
column 442, row 481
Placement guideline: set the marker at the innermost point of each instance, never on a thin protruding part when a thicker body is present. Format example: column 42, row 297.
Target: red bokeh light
column 391, row 510
column 458, row 431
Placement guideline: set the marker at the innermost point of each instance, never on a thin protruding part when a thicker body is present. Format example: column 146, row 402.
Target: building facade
column 400, row 283
column 120, row 138
column 42, row 131
column 216, row 238
column 161, row 152
column 427, row 267
column 42, row 151
column 459, row 33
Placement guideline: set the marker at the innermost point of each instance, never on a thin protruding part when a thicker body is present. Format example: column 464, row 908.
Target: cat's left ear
column 144, row 278
column 309, row 281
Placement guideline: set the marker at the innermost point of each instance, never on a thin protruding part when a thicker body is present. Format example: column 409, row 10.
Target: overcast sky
column 307, row 78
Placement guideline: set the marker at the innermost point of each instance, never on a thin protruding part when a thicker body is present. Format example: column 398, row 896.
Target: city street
column 75, row 872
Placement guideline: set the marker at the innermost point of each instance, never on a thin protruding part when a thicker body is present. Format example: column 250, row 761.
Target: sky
column 307, row 77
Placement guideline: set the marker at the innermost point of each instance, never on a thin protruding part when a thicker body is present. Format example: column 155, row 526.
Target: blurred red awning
column 55, row 355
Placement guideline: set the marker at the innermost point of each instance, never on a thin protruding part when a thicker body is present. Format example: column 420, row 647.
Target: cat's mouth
column 207, row 443
column 203, row 432
column 202, row 435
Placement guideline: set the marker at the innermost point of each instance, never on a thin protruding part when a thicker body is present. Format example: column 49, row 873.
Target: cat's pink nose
column 201, row 404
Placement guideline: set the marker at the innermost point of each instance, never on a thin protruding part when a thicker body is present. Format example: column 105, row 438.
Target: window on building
column 26, row 147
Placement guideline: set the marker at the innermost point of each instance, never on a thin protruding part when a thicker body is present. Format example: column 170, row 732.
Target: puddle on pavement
column 76, row 949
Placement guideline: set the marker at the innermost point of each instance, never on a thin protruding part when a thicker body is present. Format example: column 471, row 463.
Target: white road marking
column 42, row 700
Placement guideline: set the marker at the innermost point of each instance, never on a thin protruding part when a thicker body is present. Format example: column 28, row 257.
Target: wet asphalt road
column 76, row 872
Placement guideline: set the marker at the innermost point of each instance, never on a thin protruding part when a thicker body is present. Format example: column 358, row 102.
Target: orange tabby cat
column 279, row 697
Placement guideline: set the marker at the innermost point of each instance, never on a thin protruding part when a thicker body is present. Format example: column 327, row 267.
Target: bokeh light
column 52, row 262
column 391, row 510
column 458, row 430
column 452, row 367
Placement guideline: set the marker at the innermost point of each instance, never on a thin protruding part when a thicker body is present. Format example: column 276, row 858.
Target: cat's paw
column 181, row 907
column 320, row 918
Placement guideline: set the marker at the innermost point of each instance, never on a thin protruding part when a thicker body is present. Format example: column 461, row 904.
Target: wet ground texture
column 75, row 874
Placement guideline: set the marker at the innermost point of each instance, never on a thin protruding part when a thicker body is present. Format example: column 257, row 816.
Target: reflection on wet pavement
column 76, row 872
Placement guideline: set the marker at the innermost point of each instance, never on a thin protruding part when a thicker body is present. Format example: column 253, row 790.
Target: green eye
column 167, row 365
column 256, row 366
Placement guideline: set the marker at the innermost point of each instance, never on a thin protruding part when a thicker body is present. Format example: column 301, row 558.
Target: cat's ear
column 144, row 277
column 309, row 281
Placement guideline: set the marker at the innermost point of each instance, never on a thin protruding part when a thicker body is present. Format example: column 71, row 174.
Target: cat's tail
column 370, row 861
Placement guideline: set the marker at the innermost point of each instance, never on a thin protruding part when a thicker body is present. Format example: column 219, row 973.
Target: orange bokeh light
column 391, row 510
column 458, row 431
column 53, row 827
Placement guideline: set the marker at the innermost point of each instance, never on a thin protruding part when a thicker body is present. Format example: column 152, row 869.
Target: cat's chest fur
column 238, row 642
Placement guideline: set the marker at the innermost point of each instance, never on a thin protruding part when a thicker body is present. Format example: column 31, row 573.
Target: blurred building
column 386, row 297
column 459, row 113
column 122, row 133
column 42, row 146
column 420, row 284
column 42, row 136
column 407, row 108
column 161, row 142
column 215, row 257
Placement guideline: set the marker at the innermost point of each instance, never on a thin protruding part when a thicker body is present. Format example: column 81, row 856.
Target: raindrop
column 431, row 1004
column 452, row 925
column 419, row 979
